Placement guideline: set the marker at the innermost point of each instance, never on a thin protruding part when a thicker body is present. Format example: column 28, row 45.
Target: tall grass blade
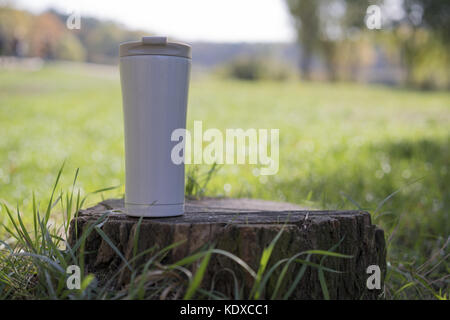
column 198, row 277
column 111, row 244
column 255, row 293
column 49, row 207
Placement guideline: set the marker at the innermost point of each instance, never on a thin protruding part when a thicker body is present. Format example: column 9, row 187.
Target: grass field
column 341, row 146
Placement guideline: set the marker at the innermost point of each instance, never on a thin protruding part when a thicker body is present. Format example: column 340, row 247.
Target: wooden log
column 243, row 227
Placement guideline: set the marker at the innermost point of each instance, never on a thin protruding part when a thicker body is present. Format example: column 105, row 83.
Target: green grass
column 341, row 146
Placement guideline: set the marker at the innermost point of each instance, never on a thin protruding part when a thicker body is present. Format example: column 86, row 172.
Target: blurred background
column 330, row 40
column 359, row 90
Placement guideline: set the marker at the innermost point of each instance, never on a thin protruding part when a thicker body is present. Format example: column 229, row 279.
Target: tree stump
column 243, row 227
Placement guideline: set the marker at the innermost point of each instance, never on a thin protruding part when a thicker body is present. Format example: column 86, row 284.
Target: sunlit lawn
column 341, row 145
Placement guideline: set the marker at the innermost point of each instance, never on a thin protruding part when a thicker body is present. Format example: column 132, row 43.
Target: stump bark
column 243, row 227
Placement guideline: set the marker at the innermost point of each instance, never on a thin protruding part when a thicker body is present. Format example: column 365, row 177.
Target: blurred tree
column 306, row 19
column 70, row 48
column 46, row 32
column 15, row 26
column 257, row 68
column 418, row 31
column 321, row 26
column 420, row 35
column 436, row 15
column 46, row 36
column 103, row 41
column 101, row 38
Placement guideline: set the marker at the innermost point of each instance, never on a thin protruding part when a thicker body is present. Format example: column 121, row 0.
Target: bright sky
column 209, row 20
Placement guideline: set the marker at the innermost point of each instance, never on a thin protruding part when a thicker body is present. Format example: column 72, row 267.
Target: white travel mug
column 154, row 74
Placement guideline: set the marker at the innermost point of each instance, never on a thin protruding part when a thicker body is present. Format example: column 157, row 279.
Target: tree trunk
column 244, row 227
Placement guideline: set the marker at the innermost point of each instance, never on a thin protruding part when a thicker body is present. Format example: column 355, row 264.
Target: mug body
column 154, row 92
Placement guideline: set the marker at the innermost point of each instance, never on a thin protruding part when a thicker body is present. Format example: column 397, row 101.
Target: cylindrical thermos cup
column 154, row 74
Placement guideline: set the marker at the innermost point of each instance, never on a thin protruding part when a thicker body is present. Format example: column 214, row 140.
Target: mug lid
column 154, row 46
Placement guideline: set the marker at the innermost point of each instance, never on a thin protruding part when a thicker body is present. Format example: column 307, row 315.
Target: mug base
column 154, row 211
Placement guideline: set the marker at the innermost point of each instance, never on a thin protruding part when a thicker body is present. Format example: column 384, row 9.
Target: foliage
column 416, row 37
column 257, row 68
column 322, row 26
column 69, row 48
column 46, row 36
